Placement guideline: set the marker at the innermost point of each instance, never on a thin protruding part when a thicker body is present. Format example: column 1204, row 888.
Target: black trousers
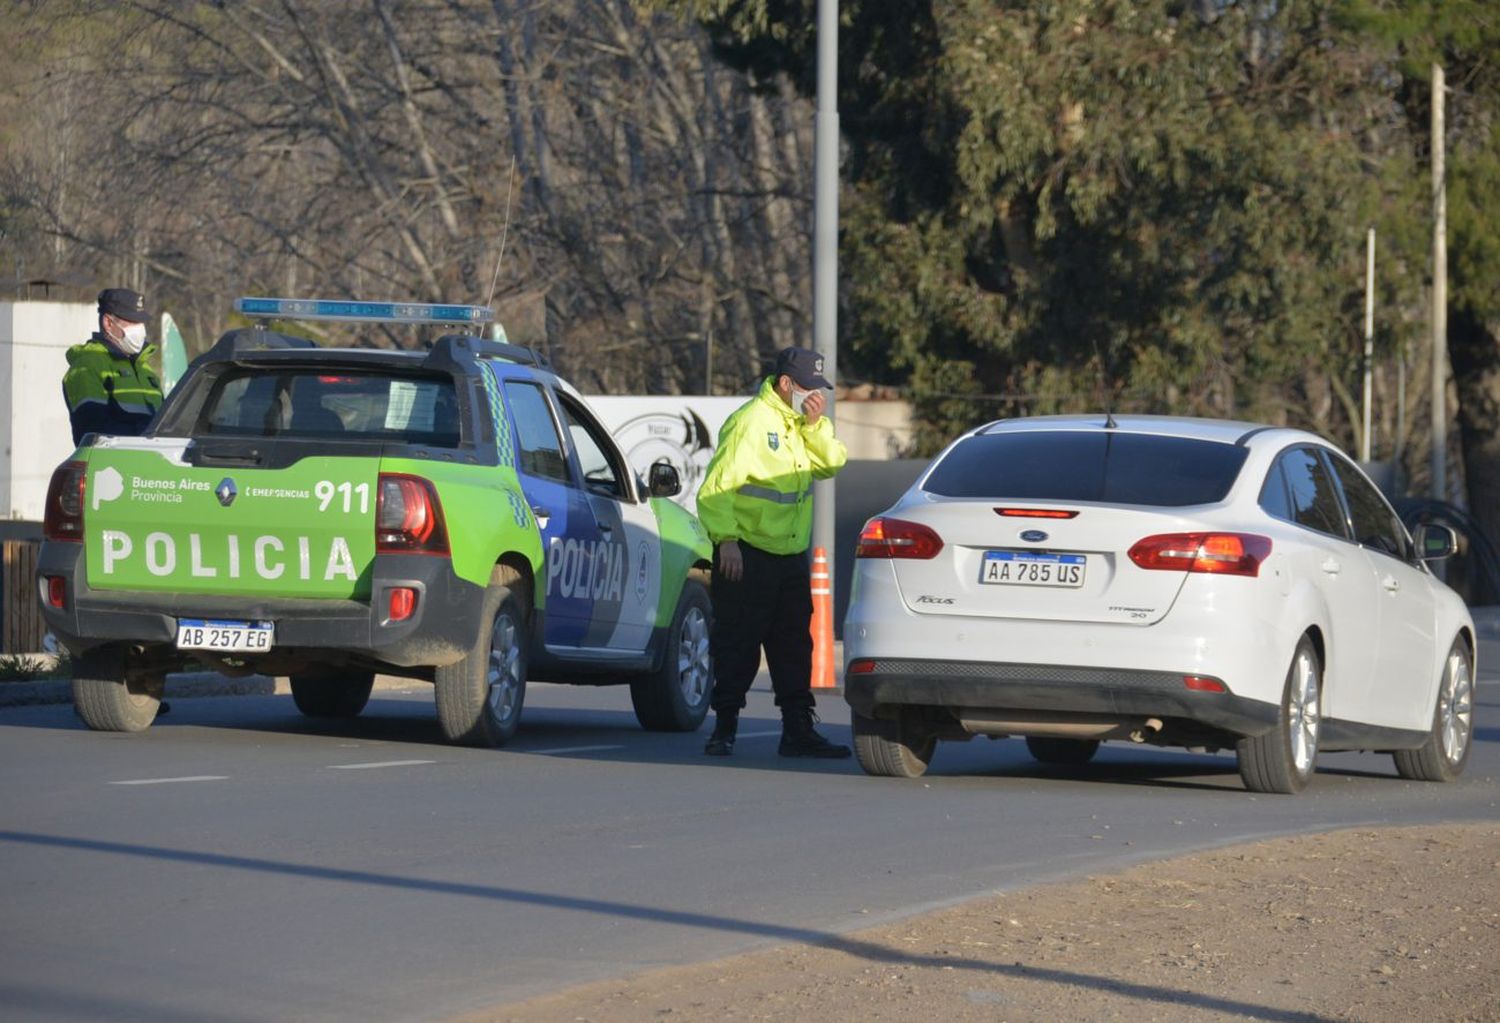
column 769, row 606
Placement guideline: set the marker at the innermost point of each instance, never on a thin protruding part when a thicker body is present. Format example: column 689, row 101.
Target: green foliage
column 1065, row 205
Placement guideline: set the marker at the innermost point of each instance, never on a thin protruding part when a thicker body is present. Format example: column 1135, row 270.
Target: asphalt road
column 239, row 862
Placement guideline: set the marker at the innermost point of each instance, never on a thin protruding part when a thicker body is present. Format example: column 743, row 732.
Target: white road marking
column 170, row 781
column 381, row 763
column 573, row 749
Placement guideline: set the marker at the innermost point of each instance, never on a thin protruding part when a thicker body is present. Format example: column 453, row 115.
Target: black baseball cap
column 124, row 303
column 804, row 366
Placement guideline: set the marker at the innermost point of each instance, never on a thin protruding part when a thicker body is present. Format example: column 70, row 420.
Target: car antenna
column 1109, row 413
column 510, row 184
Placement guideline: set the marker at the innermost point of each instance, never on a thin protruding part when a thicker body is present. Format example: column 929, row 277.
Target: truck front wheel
column 111, row 699
column 332, row 694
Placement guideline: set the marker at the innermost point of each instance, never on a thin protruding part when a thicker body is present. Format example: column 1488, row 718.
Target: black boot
column 721, row 743
column 800, row 739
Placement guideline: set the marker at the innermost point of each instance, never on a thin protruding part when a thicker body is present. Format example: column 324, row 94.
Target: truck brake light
column 63, row 515
column 408, row 516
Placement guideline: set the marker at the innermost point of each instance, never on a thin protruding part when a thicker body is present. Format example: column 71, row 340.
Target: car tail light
column 57, row 592
column 63, row 516
column 1204, row 684
column 403, row 602
column 897, row 538
column 408, row 517
column 1035, row 513
column 1214, row 553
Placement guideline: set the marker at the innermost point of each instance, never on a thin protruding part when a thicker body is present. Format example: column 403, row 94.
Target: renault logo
column 1033, row 535
column 226, row 491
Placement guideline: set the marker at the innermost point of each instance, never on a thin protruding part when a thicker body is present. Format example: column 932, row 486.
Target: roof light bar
column 361, row 312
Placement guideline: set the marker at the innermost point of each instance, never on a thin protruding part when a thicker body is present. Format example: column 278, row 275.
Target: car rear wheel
column 1061, row 752
column 675, row 697
column 1283, row 760
column 332, row 694
column 479, row 698
column 1443, row 755
column 111, row 699
column 892, row 749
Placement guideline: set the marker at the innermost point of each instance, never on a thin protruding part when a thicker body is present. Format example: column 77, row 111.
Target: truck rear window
column 334, row 405
column 1112, row 468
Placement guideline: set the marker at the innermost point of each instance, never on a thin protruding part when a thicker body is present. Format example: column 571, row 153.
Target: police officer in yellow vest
column 756, row 504
column 111, row 386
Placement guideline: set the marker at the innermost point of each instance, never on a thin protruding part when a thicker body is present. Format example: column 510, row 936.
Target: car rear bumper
column 441, row 629
column 871, row 684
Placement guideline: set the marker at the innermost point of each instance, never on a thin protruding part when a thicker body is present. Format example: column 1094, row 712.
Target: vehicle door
column 1300, row 488
column 627, row 589
column 1405, row 639
column 570, row 536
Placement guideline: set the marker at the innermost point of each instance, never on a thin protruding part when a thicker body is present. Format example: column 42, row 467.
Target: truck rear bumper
column 441, row 629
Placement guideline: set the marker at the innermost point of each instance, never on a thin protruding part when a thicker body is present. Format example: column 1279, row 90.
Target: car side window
column 540, row 451
column 1274, row 499
column 1311, row 494
column 600, row 474
column 1375, row 524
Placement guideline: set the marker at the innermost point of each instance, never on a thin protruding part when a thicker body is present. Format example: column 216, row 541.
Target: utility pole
column 1439, row 489
column 826, row 246
column 1365, row 444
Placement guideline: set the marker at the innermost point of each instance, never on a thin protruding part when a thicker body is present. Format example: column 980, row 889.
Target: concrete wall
column 34, row 431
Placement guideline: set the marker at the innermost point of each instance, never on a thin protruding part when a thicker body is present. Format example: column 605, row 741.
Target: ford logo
column 1033, row 535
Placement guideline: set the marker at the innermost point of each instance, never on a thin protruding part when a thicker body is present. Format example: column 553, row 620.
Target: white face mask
column 799, row 398
column 133, row 338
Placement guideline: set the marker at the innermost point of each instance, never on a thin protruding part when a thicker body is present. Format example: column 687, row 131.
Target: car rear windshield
column 333, row 405
column 1114, row 468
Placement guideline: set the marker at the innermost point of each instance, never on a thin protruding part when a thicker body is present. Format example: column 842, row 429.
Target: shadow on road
column 683, row 918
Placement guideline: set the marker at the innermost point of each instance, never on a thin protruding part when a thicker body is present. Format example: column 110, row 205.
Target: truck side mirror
column 663, row 480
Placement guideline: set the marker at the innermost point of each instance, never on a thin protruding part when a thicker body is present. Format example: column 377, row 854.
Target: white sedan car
column 1180, row 582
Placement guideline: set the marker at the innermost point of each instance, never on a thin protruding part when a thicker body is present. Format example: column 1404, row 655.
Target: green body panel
column 683, row 545
column 155, row 525
column 486, row 514
column 308, row 530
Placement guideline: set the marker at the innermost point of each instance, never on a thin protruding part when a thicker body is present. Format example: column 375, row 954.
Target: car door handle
column 1391, row 583
column 606, row 530
column 542, row 515
column 1332, row 566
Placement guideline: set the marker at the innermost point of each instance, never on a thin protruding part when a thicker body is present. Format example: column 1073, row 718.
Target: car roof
column 1224, row 431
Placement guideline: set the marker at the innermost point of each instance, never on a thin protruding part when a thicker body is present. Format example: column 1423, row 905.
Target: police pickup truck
column 456, row 515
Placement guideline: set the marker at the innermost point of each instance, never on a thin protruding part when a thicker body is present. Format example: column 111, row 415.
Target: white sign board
column 35, row 436
column 682, row 429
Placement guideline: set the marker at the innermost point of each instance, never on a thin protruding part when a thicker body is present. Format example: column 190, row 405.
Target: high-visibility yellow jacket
column 108, row 393
column 758, row 486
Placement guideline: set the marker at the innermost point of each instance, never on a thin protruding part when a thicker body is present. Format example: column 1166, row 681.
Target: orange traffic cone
column 822, row 622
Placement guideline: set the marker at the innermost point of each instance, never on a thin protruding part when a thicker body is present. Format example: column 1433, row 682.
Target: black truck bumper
column 442, row 628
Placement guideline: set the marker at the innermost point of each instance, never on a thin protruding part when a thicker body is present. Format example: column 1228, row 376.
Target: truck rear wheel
column 675, row 697
column 109, row 698
column 479, row 698
column 332, row 694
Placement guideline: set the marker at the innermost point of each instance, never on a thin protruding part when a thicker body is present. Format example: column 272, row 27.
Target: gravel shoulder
column 1361, row 924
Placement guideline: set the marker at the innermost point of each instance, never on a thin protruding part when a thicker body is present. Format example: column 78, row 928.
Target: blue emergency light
column 360, row 312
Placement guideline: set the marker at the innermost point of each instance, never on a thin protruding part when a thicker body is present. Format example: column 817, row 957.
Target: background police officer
column 110, row 385
column 756, row 504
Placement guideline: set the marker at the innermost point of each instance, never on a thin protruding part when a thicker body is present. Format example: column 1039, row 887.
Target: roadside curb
column 184, row 685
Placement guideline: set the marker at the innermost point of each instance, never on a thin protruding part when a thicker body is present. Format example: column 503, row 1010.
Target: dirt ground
column 1397, row 924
